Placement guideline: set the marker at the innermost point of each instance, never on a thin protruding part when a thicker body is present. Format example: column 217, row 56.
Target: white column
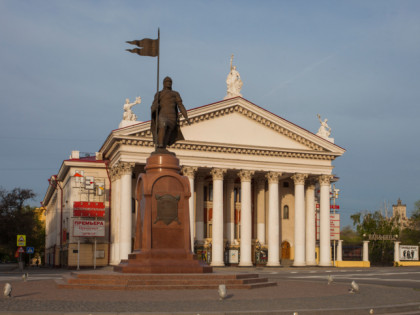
column 324, row 229
column 273, row 219
column 116, row 215
column 365, row 251
column 397, row 252
column 199, row 210
column 340, row 250
column 190, row 173
column 299, row 181
column 261, row 209
column 246, row 218
column 217, row 239
column 230, row 209
column 126, row 215
column 310, row 225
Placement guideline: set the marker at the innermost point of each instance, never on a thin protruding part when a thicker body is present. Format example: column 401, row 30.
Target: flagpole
column 157, row 91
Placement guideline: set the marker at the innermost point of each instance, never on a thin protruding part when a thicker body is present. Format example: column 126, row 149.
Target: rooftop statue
column 324, row 130
column 165, row 107
column 129, row 117
column 233, row 81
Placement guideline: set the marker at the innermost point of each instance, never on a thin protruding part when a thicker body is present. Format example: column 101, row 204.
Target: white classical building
column 255, row 180
column 252, row 174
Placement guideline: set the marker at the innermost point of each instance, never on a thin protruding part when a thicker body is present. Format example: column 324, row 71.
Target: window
column 286, row 212
column 210, row 192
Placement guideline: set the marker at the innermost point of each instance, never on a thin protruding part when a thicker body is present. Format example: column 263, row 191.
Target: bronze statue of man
column 165, row 107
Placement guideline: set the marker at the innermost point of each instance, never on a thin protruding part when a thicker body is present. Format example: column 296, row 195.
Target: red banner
column 88, row 209
column 337, row 207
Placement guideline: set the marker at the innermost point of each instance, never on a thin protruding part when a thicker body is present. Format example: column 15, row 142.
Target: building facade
column 76, row 207
column 255, row 179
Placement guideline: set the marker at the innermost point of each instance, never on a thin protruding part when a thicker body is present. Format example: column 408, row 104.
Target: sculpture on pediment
column 324, row 130
column 128, row 116
column 233, row 81
column 128, row 113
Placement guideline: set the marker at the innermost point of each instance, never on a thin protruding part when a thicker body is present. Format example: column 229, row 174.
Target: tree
column 16, row 217
column 380, row 251
column 349, row 236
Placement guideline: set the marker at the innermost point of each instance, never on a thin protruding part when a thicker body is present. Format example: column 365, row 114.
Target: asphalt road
column 404, row 277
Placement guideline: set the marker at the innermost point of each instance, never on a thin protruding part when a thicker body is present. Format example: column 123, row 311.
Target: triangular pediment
column 238, row 122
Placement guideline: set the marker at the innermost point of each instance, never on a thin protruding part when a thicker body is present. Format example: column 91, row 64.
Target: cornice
column 203, row 147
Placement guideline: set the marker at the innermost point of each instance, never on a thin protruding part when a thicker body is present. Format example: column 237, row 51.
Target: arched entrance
column 285, row 250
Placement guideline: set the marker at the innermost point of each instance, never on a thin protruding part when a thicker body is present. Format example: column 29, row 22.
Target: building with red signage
column 77, row 213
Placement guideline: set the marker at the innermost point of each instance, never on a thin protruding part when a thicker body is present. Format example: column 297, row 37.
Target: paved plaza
column 299, row 291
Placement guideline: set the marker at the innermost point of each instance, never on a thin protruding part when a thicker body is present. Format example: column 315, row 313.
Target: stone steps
column 139, row 282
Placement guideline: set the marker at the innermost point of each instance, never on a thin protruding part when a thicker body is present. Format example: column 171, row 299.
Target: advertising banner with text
column 334, row 226
column 88, row 228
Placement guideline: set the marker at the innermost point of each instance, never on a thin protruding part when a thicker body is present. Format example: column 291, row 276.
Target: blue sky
column 64, row 76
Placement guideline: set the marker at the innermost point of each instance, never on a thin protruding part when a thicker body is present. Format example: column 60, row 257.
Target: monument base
column 162, row 243
column 163, row 261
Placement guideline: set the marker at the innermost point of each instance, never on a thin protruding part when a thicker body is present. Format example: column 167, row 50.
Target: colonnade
column 304, row 225
column 304, row 222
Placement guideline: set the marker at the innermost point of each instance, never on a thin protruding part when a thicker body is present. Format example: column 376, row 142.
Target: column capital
column 245, row 175
column 218, row 173
column 114, row 173
column 299, row 179
column 273, row 177
column 325, row 180
column 125, row 168
column 189, row 171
